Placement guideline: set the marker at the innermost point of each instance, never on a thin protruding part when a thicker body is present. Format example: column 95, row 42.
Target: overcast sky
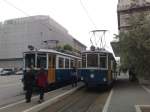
column 70, row 14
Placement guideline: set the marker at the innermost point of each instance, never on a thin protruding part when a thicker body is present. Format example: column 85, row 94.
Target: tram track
column 81, row 101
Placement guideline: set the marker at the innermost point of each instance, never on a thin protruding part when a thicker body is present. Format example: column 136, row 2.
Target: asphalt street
column 10, row 89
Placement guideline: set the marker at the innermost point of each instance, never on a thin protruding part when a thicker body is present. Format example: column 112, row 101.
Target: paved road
column 80, row 101
column 126, row 95
column 10, row 89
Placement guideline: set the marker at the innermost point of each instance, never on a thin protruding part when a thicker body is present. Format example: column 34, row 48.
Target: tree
column 135, row 45
column 68, row 47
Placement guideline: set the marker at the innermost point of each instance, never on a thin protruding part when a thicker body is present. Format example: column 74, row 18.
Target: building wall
column 126, row 8
column 17, row 34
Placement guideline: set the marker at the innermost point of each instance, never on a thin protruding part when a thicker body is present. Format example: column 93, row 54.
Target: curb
column 138, row 107
column 107, row 103
column 47, row 103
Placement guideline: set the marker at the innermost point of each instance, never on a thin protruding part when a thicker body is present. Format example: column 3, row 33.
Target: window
column 61, row 63
column 79, row 64
column 83, row 60
column 72, row 63
column 66, row 63
column 41, row 60
column 29, row 60
column 92, row 60
column 103, row 61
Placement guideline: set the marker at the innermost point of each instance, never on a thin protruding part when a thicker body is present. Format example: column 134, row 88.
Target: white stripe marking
column 22, row 101
column 49, row 102
column 6, row 85
column 148, row 90
column 137, row 108
column 105, row 109
column 13, row 104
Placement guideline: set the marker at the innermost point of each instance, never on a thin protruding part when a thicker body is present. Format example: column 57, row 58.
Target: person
column 41, row 83
column 28, row 84
column 74, row 77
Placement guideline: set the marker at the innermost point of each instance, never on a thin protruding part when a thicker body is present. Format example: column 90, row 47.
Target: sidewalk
column 34, row 106
column 126, row 95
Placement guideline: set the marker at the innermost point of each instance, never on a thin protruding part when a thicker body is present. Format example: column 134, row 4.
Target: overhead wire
column 20, row 10
column 90, row 19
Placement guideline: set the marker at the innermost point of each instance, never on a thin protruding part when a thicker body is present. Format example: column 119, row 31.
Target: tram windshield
column 29, row 60
column 41, row 60
column 92, row 60
column 103, row 62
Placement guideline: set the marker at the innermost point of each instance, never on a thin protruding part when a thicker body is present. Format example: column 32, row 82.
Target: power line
column 12, row 5
column 20, row 10
column 88, row 15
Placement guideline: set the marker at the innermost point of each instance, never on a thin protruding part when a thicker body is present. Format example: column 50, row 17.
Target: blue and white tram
column 58, row 65
column 98, row 68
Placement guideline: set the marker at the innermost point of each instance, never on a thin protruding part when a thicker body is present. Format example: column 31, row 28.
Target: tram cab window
column 83, row 60
column 66, row 63
column 29, row 60
column 61, row 62
column 41, row 60
column 103, row 61
column 92, row 60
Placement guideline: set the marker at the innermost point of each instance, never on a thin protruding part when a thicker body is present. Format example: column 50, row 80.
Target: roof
column 97, row 51
column 51, row 51
column 115, row 47
column 80, row 43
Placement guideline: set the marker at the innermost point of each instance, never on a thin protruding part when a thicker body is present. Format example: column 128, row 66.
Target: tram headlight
column 92, row 75
column 82, row 78
column 104, row 79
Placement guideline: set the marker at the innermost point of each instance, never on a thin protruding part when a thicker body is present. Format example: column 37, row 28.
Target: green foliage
column 68, row 47
column 135, row 45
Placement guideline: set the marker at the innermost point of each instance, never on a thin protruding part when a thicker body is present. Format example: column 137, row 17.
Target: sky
column 70, row 14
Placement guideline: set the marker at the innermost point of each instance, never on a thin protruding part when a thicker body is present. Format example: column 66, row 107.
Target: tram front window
column 41, row 60
column 103, row 62
column 92, row 60
column 29, row 60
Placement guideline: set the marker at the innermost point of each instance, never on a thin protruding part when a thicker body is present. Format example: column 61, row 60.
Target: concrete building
column 17, row 34
column 125, row 9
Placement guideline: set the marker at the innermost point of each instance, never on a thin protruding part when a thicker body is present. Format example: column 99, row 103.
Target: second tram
column 98, row 68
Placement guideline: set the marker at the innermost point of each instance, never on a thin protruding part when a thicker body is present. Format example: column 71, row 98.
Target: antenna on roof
column 98, row 37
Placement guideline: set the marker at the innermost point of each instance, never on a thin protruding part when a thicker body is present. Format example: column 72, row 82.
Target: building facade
column 126, row 9
column 17, row 34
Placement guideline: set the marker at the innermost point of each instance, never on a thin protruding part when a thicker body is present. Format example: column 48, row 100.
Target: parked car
column 20, row 72
column 7, row 72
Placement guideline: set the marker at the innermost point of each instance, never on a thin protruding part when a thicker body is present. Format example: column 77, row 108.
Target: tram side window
column 61, row 63
column 83, row 60
column 29, row 60
column 103, row 62
column 41, row 60
column 92, row 60
column 72, row 63
column 79, row 64
column 66, row 63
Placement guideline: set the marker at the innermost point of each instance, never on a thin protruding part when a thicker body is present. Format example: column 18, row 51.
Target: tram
column 98, row 68
column 57, row 65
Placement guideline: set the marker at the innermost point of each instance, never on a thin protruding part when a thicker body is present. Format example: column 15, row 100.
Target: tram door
column 109, row 70
column 51, row 68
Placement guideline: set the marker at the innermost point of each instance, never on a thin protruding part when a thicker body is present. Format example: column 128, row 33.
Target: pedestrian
column 74, row 77
column 28, row 83
column 41, row 83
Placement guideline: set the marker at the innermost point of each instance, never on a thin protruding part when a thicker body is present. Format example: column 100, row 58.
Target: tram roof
column 97, row 51
column 51, row 51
